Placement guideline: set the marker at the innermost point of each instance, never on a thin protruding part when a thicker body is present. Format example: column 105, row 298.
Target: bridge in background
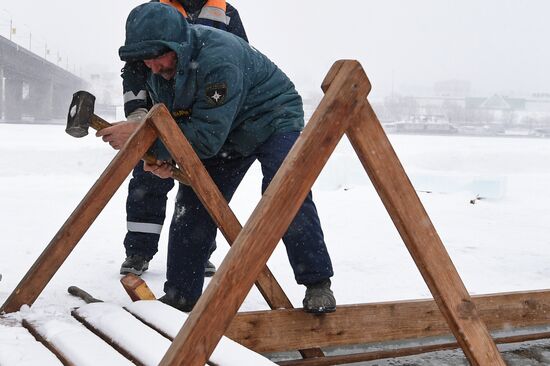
column 33, row 87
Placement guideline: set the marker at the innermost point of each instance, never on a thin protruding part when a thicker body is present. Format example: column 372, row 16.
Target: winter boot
column 209, row 269
column 135, row 263
column 177, row 301
column 319, row 298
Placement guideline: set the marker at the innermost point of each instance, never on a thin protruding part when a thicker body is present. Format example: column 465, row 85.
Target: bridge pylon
column 31, row 86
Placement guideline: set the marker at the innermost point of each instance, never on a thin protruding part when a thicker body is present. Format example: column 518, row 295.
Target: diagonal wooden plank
column 419, row 235
column 217, row 206
column 63, row 243
column 212, row 199
column 271, row 218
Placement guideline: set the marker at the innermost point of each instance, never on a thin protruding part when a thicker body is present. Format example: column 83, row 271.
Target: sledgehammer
column 81, row 117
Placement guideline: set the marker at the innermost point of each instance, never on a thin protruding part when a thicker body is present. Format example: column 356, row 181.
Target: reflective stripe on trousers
column 144, row 227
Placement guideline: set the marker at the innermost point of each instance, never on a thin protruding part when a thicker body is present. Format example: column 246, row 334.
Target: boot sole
column 320, row 310
column 127, row 270
column 209, row 272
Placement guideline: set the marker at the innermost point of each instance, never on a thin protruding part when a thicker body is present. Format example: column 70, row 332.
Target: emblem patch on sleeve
column 215, row 93
column 181, row 113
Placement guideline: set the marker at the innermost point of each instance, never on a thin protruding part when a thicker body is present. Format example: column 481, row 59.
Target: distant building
column 452, row 88
column 495, row 114
column 497, row 103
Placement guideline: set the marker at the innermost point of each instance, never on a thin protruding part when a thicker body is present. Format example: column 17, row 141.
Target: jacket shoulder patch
column 216, row 93
column 181, row 113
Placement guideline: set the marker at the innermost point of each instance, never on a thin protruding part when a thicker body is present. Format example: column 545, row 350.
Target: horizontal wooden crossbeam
column 285, row 330
column 402, row 352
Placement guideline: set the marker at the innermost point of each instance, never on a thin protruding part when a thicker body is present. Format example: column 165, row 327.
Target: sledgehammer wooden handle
column 78, row 292
column 99, row 123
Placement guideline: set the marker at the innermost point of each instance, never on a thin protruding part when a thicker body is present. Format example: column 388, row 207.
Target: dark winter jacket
column 227, row 97
column 133, row 73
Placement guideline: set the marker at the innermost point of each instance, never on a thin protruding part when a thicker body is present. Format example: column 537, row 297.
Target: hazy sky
column 499, row 45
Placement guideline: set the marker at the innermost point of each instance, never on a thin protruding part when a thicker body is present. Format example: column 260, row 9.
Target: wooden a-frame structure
column 343, row 110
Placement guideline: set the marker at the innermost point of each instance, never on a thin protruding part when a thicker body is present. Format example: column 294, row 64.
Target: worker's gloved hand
column 161, row 169
column 118, row 133
column 137, row 115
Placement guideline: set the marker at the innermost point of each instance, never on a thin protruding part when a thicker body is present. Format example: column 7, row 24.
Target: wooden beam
column 212, row 199
column 217, row 206
column 58, row 353
column 287, row 330
column 402, row 352
column 370, row 356
column 123, row 348
column 137, row 288
column 271, row 218
column 81, row 219
column 72, row 343
column 417, row 231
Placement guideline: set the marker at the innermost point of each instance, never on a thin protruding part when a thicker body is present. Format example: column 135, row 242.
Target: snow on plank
column 169, row 321
column 71, row 341
column 19, row 348
column 143, row 345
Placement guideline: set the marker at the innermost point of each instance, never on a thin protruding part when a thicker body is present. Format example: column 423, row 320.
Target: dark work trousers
column 192, row 227
column 145, row 212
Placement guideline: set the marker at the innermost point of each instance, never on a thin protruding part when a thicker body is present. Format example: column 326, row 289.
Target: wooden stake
column 137, row 288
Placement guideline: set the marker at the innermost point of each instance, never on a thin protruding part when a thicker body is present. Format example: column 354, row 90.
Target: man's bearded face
column 165, row 65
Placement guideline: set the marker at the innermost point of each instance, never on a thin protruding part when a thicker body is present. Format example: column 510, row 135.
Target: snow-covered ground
column 497, row 244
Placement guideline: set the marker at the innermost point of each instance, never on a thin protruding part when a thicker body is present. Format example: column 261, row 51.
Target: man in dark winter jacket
column 147, row 194
column 234, row 106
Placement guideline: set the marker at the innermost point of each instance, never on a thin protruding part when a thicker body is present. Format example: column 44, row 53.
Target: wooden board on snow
column 124, row 332
column 19, row 348
column 71, row 341
column 169, row 321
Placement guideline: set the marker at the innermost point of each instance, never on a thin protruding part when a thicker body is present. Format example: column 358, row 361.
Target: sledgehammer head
column 80, row 114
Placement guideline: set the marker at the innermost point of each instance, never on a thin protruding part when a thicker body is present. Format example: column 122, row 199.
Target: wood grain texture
column 252, row 248
column 287, row 330
column 136, row 288
column 402, row 352
column 370, row 356
column 217, row 206
column 421, row 239
column 99, row 123
column 212, row 199
column 52, row 348
column 81, row 219
column 123, row 349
